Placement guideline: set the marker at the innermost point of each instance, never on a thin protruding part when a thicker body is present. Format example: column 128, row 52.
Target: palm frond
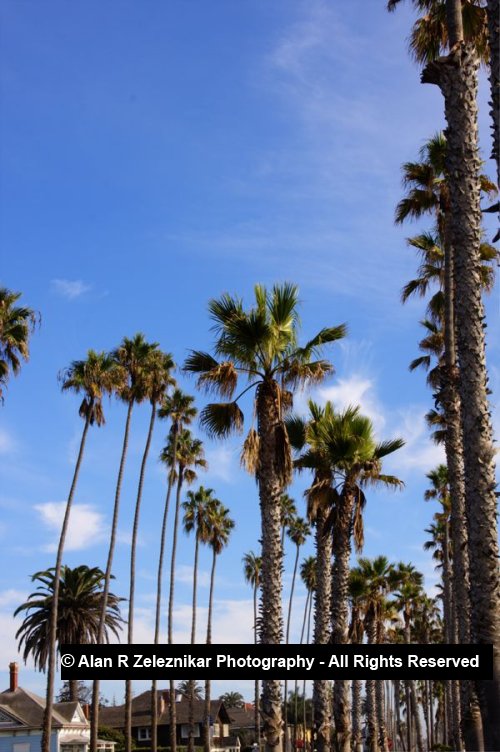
column 250, row 453
column 296, row 429
column 323, row 337
column 219, row 419
column 388, row 447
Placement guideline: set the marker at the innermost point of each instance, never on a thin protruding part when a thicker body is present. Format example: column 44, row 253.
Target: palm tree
column 221, row 525
column 188, row 455
column 79, row 594
column 156, row 378
column 252, row 567
column 177, row 407
column 16, row 325
column 190, row 687
column 132, row 356
column 196, row 517
column 233, row 700
column 261, row 344
column 456, row 76
column 344, row 442
column 93, row 377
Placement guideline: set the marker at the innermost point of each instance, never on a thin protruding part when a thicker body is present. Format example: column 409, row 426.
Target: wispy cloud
column 86, row 527
column 222, row 463
column 71, row 289
column 7, row 442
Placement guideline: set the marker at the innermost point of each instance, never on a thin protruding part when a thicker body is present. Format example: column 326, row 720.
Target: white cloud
column 70, row 288
column 184, row 573
column 356, row 390
column 86, row 526
column 221, row 463
column 7, row 442
column 419, row 452
column 12, row 597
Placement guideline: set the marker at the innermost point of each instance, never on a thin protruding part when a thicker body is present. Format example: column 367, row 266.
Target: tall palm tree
column 252, row 567
column 345, row 442
column 261, row 345
column 178, row 408
column 132, row 357
column 156, row 378
column 79, row 594
column 197, row 518
column 456, row 76
column 93, row 377
column 188, row 456
column 16, row 325
column 221, row 525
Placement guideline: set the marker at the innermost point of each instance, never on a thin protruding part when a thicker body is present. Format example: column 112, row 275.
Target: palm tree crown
column 16, row 325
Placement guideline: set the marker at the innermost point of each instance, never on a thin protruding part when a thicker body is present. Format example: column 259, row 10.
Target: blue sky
column 154, row 155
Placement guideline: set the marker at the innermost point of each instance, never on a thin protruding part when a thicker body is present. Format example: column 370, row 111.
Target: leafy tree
column 233, row 700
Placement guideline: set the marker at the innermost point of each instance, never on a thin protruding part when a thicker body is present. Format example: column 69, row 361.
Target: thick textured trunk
column 371, row 700
column 288, row 620
column 494, row 39
column 456, row 75
column 271, row 484
column 357, row 742
column 172, row 710
column 94, row 721
column 322, row 696
column 51, row 669
column 341, row 547
column 257, row 683
column 397, row 713
column 135, row 530
column 159, row 579
column 380, row 702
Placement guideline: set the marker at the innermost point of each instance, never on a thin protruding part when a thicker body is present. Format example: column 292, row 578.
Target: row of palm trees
column 450, row 41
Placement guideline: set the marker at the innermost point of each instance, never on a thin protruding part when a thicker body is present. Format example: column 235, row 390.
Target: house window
column 185, row 730
column 144, row 734
column 21, row 747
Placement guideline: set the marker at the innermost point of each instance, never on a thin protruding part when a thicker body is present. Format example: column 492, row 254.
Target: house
column 221, row 741
column 21, row 722
column 243, row 723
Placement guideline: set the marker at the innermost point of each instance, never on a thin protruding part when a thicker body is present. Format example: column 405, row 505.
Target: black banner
column 276, row 662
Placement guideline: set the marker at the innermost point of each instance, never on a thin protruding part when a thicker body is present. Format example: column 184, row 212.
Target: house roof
column 141, row 711
column 28, row 708
column 242, row 717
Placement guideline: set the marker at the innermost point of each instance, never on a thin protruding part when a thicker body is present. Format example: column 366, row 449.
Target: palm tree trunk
column 135, row 530
column 195, row 587
column 256, row 692
column 371, row 700
column 341, row 546
column 154, row 704
column 207, row 744
column 271, row 483
column 94, row 721
column 172, row 706
column 287, row 740
column 357, row 744
column 456, row 75
column 322, row 609
column 494, row 40
column 380, row 703
column 73, row 690
column 51, row 669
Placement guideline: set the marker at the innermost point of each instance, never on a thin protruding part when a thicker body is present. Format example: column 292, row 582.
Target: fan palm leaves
column 79, row 594
column 16, row 325
column 261, row 345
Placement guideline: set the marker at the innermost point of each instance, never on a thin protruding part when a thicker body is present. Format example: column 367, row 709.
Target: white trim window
column 144, row 733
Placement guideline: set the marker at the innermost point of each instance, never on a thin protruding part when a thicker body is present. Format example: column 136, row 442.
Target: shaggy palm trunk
column 94, row 721
column 209, row 642
column 135, row 529
column 257, row 683
column 412, row 710
column 450, row 636
column 51, row 670
column 357, row 742
column 341, row 546
column 154, row 704
column 397, row 712
column 380, row 702
column 469, row 704
column 322, row 609
column 373, row 731
column 271, row 478
column 494, row 39
column 456, row 75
